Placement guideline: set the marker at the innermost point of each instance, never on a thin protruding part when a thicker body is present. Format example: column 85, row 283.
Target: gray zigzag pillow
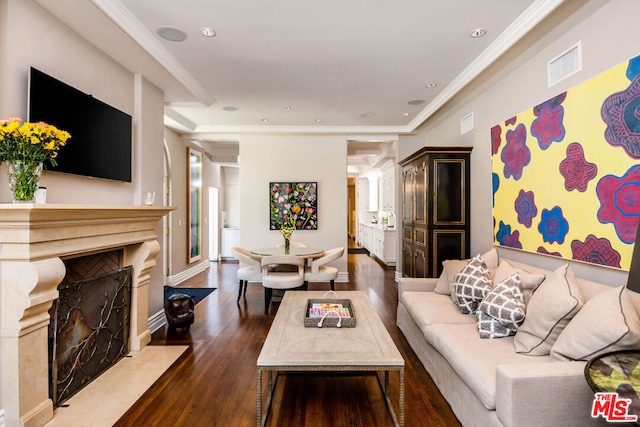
column 472, row 284
column 502, row 311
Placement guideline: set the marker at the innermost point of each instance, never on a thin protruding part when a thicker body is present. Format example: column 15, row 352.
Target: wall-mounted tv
column 100, row 144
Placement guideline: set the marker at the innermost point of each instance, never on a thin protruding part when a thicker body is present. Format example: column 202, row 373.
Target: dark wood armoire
column 435, row 209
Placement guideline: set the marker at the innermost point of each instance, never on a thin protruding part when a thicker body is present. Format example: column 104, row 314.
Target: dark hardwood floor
column 214, row 382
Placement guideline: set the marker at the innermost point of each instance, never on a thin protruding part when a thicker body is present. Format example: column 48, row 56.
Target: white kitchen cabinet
column 387, row 191
column 380, row 242
column 230, row 239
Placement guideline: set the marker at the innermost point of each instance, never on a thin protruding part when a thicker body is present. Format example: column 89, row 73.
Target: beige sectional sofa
column 485, row 381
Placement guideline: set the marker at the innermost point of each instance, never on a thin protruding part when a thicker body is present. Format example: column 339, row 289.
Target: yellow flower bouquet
column 26, row 147
column 286, row 231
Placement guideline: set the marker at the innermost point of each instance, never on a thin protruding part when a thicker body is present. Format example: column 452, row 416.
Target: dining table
column 302, row 252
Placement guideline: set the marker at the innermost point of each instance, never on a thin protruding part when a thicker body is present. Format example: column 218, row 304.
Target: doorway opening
column 214, row 240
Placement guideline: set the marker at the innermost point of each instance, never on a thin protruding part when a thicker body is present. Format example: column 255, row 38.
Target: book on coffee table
column 332, row 311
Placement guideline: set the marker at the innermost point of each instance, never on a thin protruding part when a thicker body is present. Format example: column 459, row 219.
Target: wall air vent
column 564, row 65
column 466, row 124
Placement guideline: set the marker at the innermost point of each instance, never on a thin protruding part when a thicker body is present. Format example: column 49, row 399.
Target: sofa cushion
column 427, row 308
column 550, row 309
column 607, row 322
column 529, row 281
column 474, row 359
column 472, row 284
column 502, row 311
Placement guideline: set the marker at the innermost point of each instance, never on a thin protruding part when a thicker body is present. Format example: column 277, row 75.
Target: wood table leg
column 259, row 399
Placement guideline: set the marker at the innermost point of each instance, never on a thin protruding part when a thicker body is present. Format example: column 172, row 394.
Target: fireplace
column 34, row 241
column 89, row 327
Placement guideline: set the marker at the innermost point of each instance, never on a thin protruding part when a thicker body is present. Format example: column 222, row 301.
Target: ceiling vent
column 564, row 65
column 466, row 124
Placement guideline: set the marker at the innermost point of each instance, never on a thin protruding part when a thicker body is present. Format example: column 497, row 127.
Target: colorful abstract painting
column 294, row 204
column 566, row 173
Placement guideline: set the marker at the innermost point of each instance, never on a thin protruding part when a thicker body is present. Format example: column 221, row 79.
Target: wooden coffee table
column 290, row 347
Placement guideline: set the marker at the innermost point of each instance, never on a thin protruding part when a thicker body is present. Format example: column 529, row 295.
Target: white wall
column 517, row 82
column 30, row 36
column 277, row 158
column 33, row 37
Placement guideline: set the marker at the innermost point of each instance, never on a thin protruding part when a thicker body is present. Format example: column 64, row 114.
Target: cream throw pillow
column 472, row 284
column 450, row 268
column 529, row 281
column 607, row 322
column 550, row 309
column 502, row 311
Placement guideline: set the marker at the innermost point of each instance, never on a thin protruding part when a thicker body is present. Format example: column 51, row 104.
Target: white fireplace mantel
column 34, row 239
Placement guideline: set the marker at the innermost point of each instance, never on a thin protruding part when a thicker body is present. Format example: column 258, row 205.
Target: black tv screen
column 100, row 143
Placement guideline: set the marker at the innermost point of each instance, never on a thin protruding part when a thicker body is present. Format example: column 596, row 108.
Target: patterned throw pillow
column 471, row 285
column 530, row 281
column 502, row 311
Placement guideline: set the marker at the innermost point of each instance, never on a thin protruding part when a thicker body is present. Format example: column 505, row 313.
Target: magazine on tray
column 328, row 309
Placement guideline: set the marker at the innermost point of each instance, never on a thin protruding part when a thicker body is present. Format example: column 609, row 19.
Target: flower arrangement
column 26, row 147
column 30, row 142
column 287, row 230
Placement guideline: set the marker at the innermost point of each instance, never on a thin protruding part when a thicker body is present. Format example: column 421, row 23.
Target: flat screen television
column 100, row 143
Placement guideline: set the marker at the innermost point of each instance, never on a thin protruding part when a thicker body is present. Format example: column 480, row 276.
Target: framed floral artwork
column 566, row 172
column 194, row 169
column 293, row 204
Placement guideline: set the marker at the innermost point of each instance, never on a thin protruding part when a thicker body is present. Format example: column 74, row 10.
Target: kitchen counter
column 379, row 240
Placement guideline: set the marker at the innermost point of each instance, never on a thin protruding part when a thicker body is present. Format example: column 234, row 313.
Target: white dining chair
column 252, row 272
column 273, row 278
column 320, row 272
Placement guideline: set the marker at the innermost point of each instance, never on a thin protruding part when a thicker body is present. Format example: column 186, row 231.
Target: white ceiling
column 352, row 64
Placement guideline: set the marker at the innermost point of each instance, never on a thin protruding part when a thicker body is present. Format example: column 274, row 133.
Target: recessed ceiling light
column 405, row 114
column 286, row 108
column 171, row 33
column 367, row 114
column 264, row 120
column 317, row 120
column 230, row 108
column 416, row 102
column 207, row 32
column 478, row 32
column 431, row 85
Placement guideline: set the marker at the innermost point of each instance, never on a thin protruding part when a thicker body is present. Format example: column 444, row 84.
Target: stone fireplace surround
column 33, row 241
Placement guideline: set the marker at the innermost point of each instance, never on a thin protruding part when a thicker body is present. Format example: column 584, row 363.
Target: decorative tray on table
column 330, row 313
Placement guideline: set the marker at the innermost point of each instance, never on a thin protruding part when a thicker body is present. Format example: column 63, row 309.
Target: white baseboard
column 2, row 418
column 156, row 321
column 188, row 273
column 398, row 275
column 343, row 277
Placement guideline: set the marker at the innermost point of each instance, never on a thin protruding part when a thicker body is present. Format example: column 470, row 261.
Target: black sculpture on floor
column 179, row 311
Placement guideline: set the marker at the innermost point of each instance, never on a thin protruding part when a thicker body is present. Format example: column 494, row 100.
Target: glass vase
column 24, row 178
column 287, row 244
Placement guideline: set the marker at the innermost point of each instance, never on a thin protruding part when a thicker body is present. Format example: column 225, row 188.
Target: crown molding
column 124, row 19
column 303, row 129
column 531, row 17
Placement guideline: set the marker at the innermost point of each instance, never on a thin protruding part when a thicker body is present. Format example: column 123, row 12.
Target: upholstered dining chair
column 250, row 273
column 320, row 272
column 293, row 244
column 276, row 279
